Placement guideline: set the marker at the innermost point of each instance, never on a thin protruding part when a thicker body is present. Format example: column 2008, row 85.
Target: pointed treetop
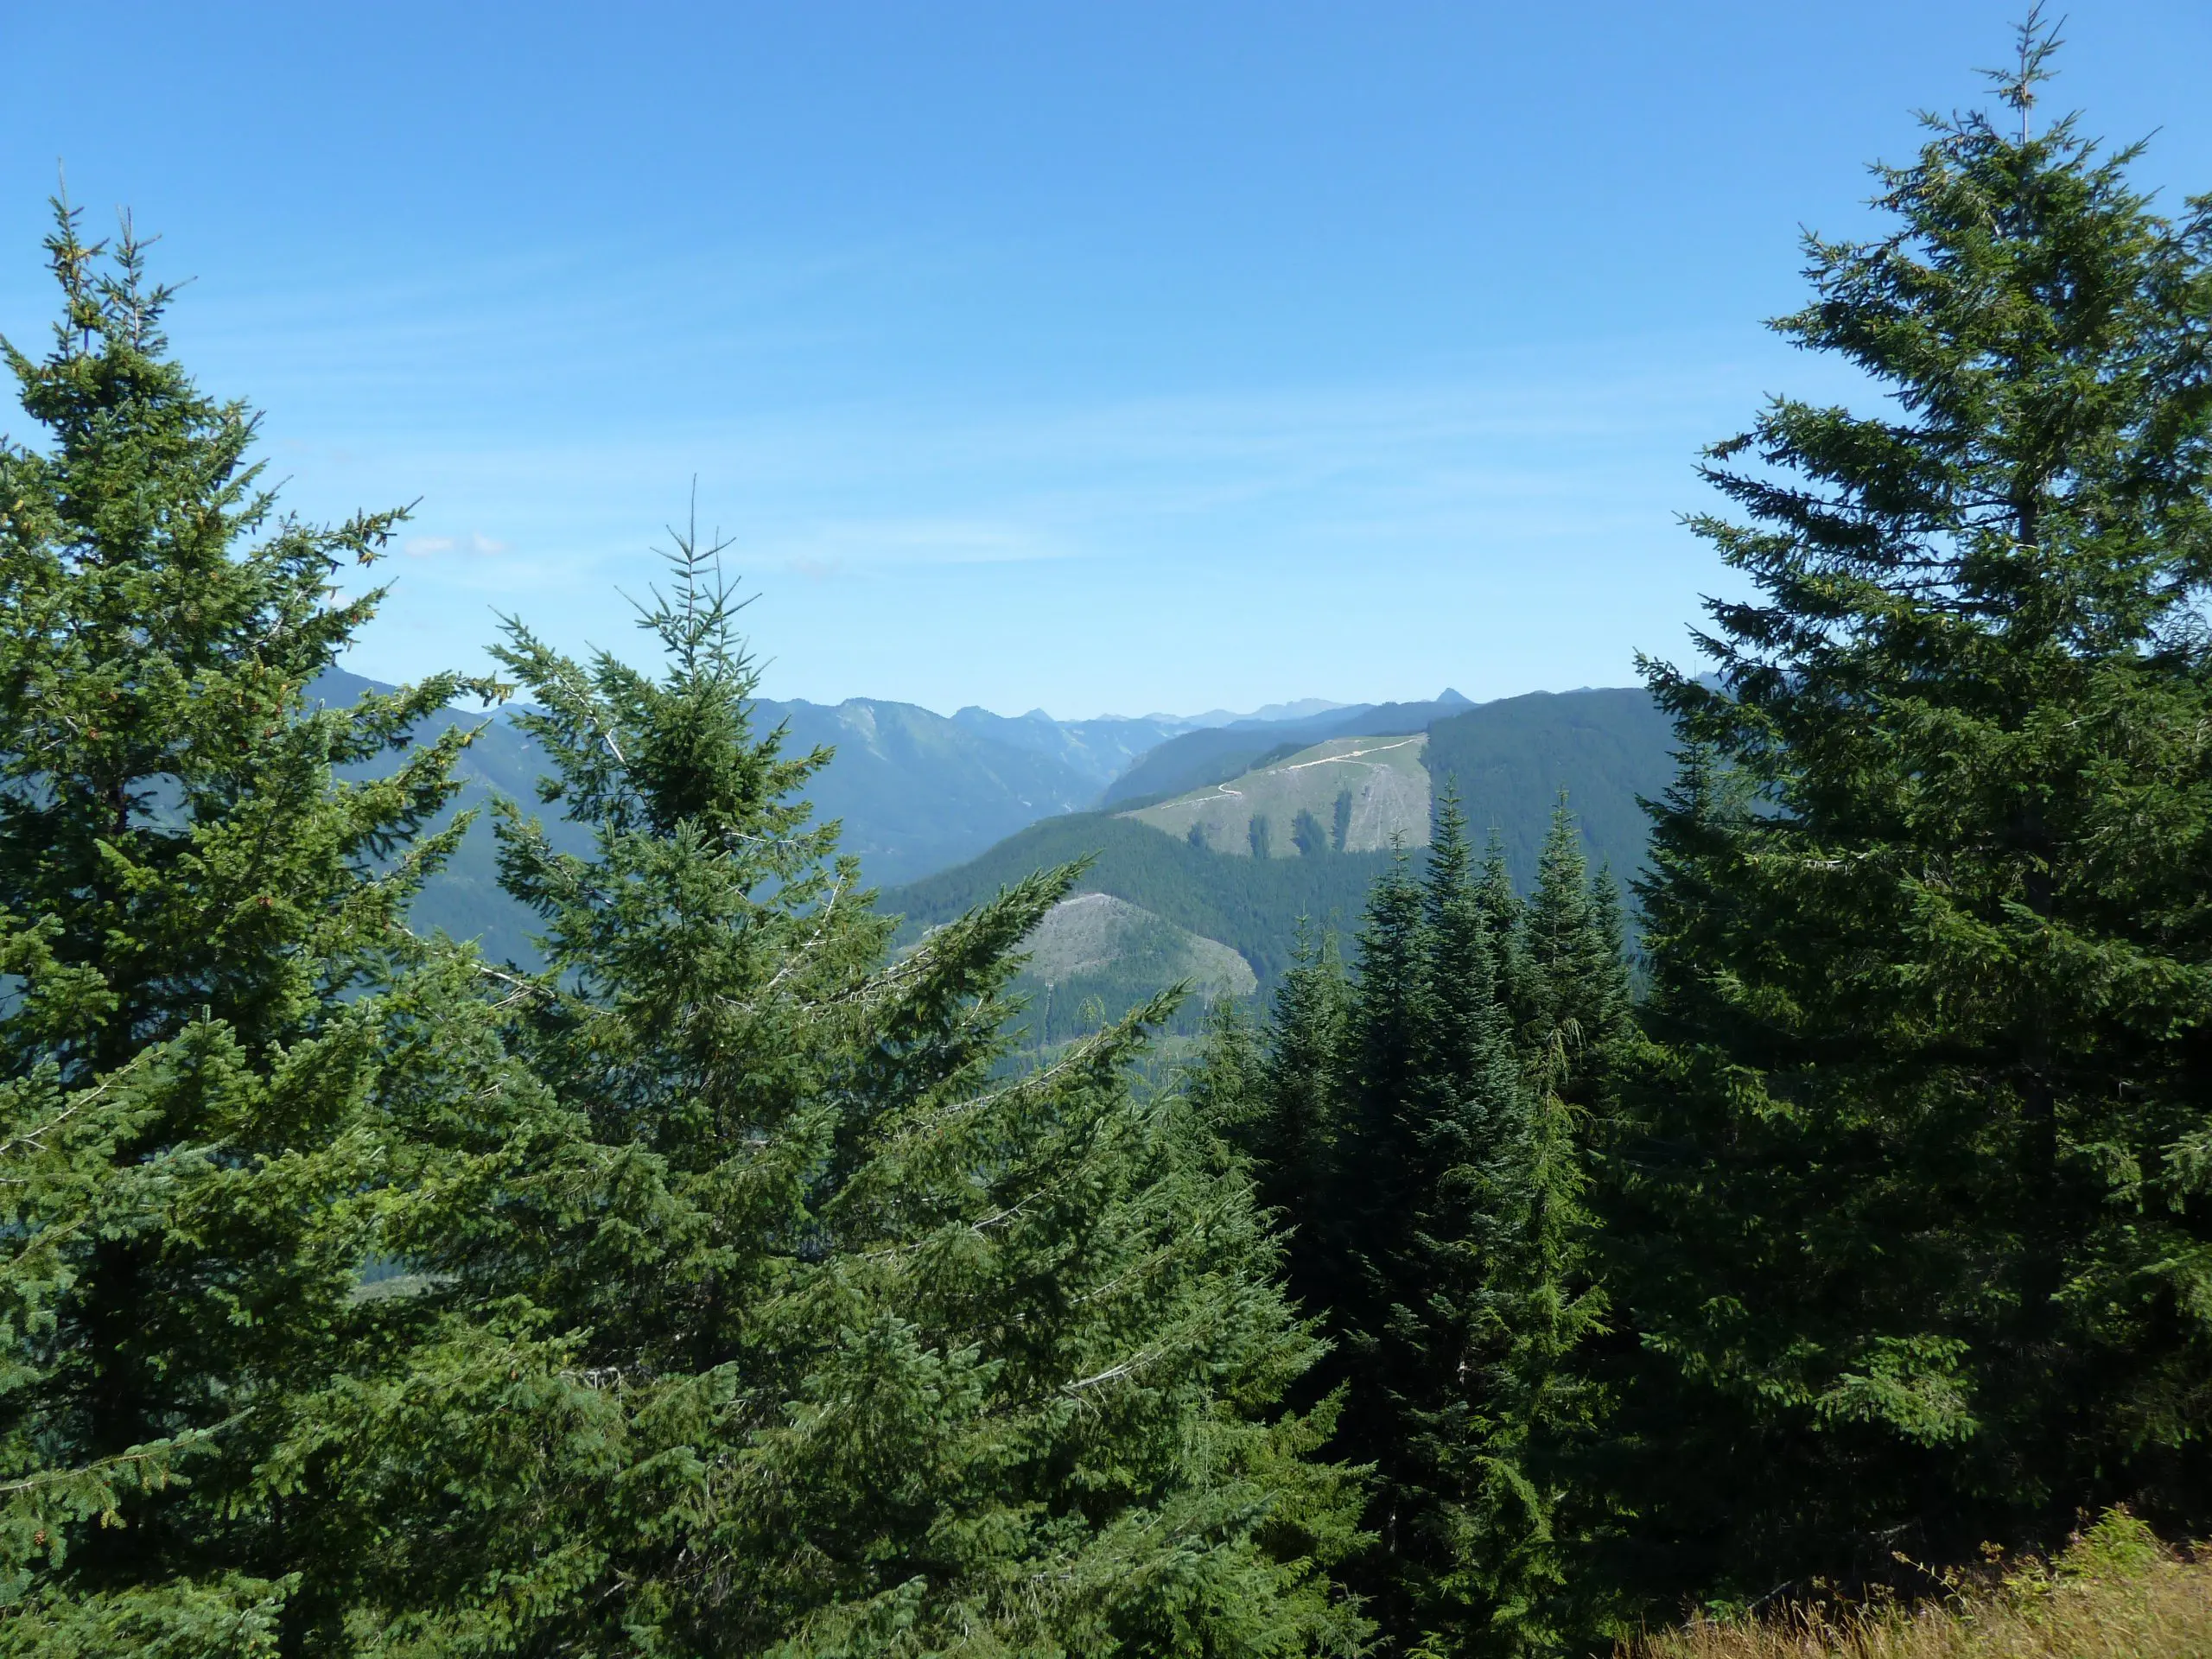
column 2035, row 40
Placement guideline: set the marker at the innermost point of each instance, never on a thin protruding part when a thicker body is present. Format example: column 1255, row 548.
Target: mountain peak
column 1448, row 696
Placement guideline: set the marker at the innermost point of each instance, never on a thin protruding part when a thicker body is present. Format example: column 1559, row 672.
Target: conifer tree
column 1503, row 910
column 1909, row 1212
column 1225, row 1082
column 1371, row 1205
column 1375, row 1176
column 1296, row 1126
column 1422, row 1135
column 205, row 1050
column 1397, row 1209
column 1576, row 966
column 1464, row 1105
column 1542, row 1307
column 886, row 1351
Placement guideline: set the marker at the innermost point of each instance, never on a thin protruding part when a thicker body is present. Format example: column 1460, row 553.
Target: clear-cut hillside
column 1093, row 932
column 1095, row 957
column 1347, row 795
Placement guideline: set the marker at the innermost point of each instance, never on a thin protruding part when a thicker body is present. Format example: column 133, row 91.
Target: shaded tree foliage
column 1909, row 1204
column 1412, row 1124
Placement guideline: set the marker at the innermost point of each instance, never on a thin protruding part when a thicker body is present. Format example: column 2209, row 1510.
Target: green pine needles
column 1879, row 1227
column 206, row 958
column 913, row 1355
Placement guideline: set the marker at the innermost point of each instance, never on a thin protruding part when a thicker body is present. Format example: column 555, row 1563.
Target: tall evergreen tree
column 1462, row 1105
column 1296, row 1126
column 1910, row 1211
column 886, row 1351
column 1225, row 1081
column 1537, row 1506
column 1575, row 964
column 1368, row 1208
column 216, row 1014
column 1367, row 1201
column 1439, row 1237
column 1503, row 910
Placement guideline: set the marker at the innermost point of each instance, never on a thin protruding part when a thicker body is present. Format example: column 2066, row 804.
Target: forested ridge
column 727, row 1285
column 1246, row 902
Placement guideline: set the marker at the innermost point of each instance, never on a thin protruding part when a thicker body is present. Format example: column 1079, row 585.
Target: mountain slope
column 1094, row 957
column 1215, row 754
column 465, row 900
column 1250, row 904
column 1349, row 794
column 1100, row 750
column 1510, row 759
column 1220, row 752
column 917, row 792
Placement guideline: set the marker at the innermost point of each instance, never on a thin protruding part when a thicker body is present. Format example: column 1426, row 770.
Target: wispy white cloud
column 1118, row 528
column 1516, row 449
column 423, row 547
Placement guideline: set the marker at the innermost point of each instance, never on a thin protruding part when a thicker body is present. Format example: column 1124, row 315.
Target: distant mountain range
column 942, row 811
column 1196, row 862
column 916, row 791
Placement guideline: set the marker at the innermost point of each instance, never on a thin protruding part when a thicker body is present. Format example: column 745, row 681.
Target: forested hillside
column 917, row 792
column 1095, row 959
column 913, row 790
column 1250, row 904
column 1509, row 760
column 463, row 898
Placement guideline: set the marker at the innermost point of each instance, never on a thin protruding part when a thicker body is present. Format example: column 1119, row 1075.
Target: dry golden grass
column 2115, row 1593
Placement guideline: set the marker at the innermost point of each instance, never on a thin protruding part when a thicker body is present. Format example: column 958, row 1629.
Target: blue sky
column 1100, row 358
